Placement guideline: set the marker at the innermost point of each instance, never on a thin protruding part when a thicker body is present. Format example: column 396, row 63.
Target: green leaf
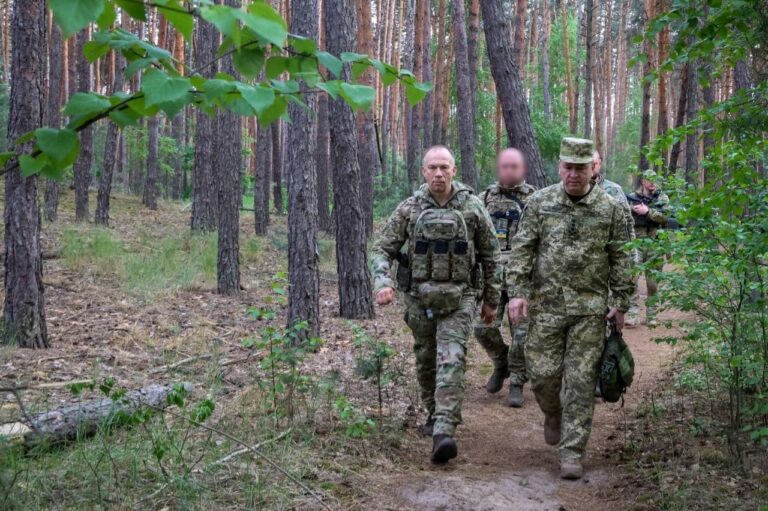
column 4, row 157
column 159, row 87
column 260, row 98
column 225, row 19
column 124, row 117
column 349, row 56
column 276, row 66
column 303, row 45
column 388, row 73
column 331, row 62
column 249, row 61
column 358, row 96
column 31, row 166
column 93, row 50
column 415, row 92
column 266, row 22
column 274, row 112
column 137, row 65
column 332, row 87
column 287, row 87
column 358, row 68
column 134, row 9
column 107, row 17
column 60, row 145
column 216, row 88
column 85, row 104
column 181, row 21
column 74, row 15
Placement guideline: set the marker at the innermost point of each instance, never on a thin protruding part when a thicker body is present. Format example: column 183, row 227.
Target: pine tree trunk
column 589, row 47
column 692, row 139
column 323, row 164
column 355, row 294
column 366, row 133
column 520, row 33
column 301, row 173
column 56, row 70
column 439, row 72
column 472, row 54
column 24, row 311
column 544, row 61
column 427, row 105
column 110, row 151
column 228, row 169
column 468, row 172
column 261, row 190
column 568, row 72
column 149, row 198
column 277, row 168
column 517, row 117
column 82, row 167
column 204, row 185
column 411, row 62
column 645, row 119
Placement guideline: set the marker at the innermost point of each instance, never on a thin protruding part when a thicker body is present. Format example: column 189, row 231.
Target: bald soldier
column 505, row 201
column 445, row 232
column 570, row 271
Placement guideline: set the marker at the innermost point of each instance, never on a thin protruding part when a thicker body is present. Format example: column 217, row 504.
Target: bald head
column 438, row 151
column 511, row 167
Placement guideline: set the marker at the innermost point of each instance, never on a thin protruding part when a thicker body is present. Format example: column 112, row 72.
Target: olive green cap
column 649, row 175
column 576, row 150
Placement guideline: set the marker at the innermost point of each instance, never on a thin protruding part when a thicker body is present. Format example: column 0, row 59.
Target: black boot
column 496, row 381
column 426, row 429
column 515, row 398
column 443, row 449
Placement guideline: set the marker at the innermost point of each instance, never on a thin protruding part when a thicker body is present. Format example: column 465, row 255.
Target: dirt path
column 503, row 462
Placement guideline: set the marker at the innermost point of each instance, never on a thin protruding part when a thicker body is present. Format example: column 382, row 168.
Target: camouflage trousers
column 563, row 354
column 491, row 339
column 645, row 256
column 440, row 345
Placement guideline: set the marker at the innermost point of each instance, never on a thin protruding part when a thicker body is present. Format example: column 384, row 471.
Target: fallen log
column 83, row 419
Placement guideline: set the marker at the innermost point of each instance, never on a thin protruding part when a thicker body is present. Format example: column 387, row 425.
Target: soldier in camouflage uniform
column 650, row 211
column 505, row 201
column 614, row 190
column 445, row 232
column 569, row 267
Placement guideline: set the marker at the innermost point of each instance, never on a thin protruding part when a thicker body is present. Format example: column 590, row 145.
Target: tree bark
column 355, row 294
column 56, row 70
column 82, row 167
column 544, row 61
column 204, row 186
column 228, row 168
column 663, row 118
column 520, row 14
column 589, row 48
column 24, row 311
column 517, row 117
column 468, row 172
column 110, row 151
column 150, row 184
column 277, row 168
column 439, row 71
column 263, row 178
column 301, row 173
column 674, row 155
column 645, row 119
column 323, row 164
column 366, row 133
column 692, row 139
column 568, row 73
column 411, row 62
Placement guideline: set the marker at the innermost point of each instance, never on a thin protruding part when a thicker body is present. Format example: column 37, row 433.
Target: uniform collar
column 588, row 199
column 515, row 188
column 456, row 188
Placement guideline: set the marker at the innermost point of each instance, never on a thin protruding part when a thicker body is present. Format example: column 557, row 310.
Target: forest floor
column 136, row 303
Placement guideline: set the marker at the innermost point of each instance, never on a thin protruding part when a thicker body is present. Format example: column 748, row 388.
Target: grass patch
column 155, row 265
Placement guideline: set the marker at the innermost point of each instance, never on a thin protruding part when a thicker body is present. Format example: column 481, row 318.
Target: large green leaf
column 60, row 145
column 135, row 9
column 266, row 22
column 260, row 98
column 215, row 88
column 276, row 66
column 225, row 19
column 85, row 104
column 358, row 96
column 31, row 166
column 415, row 92
column 274, row 112
column 181, row 21
column 331, row 62
column 159, row 87
column 249, row 61
column 303, row 45
column 94, row 49
column 74, row 15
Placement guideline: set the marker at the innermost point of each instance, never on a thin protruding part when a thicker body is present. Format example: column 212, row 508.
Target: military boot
column 552, row 429
column 496, row 381
column 515, row 398
column 428, row 427
column 443, row 449
column 571, row 469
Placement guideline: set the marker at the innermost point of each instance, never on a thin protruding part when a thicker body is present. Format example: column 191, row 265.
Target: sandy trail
column 503, row 462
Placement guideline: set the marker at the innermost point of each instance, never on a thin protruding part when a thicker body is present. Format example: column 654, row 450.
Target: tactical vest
column 505, row 210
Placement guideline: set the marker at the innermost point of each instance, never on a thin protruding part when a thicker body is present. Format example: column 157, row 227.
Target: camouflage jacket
column 397, row 232
column 614, row 190
column 505, row 205
column 568, row 257
column 658, row 211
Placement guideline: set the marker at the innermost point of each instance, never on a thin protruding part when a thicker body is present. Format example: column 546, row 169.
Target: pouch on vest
column 441, row 250
column 440, row 297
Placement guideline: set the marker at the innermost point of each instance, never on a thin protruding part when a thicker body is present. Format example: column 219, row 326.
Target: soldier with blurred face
column 570, row 272
column 445, row 232
column 505, row 200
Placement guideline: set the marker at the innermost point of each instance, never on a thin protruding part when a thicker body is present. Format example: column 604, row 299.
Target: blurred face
column 597, row 164
column 438, row 170
column 510, row 168
column 648, row 186
column 575, row 177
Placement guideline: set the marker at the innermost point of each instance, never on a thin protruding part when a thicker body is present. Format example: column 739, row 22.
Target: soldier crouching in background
column 446, row 232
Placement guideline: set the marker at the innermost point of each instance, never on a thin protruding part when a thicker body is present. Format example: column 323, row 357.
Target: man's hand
column 640, row 209
column 618, row 318
column 385, row 296
column 517, row 310
column 487, row 313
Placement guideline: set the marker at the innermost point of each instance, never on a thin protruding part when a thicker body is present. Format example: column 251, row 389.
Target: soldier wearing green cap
column 650, row 211
column 570, row 267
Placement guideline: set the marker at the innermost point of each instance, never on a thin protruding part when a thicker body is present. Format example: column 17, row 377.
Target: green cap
column 649, row 175
column 576, row 150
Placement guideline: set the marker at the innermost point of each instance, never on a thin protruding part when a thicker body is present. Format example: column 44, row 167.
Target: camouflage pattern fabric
column 614, row 191
column 568, row 258
column 498, row 200
column 440, row 341
column 440, row 345
column 576, row 150
column 563, row 353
